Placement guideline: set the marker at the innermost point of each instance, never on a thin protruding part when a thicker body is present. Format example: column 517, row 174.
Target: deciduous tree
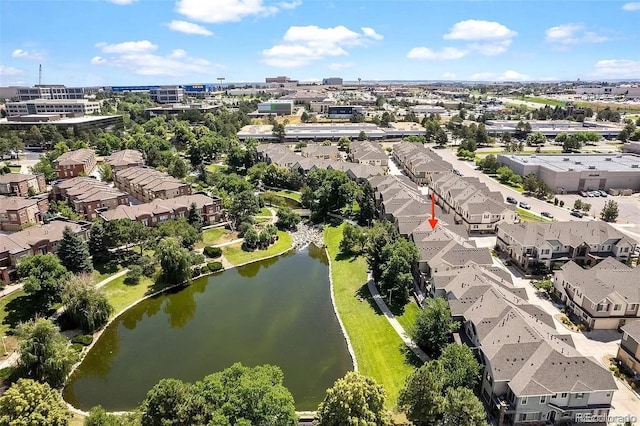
column 28, row 402
column 174, row 260
column 44, row 278
column 421, row 398
column 463, row 408
column 461, row 367
column 433, row 327
column 85, row 305
column 610, row 211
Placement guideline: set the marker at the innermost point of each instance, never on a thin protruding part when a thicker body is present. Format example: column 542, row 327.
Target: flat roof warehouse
column 332, row 131
column 581, row 162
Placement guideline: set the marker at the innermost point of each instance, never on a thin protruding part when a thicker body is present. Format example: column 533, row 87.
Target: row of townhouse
column 146, row 184
column 322, row 152
column 80, row 162
column 555, row 243
column 531, row 373
column 473, row 205
column 31, row 241
column 18, row 184
column 419, row 163
column 17, row 213
column 88, row 196
column 124, row 159
column 160, row 210
column 366, row 152
column 283, row 157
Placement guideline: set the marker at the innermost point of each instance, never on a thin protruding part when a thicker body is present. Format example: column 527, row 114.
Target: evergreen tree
column 74, row 253
column 194, row 217
column 97, row 244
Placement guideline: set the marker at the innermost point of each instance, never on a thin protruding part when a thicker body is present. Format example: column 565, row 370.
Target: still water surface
column 276, row 311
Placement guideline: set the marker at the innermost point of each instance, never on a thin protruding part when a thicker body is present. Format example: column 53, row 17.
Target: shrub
column 196, row 258
column 134, row 275
column 213, row 252
column 214, row 266
column 77, row 347
column 197, row 271
column 243, row 227
column 147, row 264
column 83, row 339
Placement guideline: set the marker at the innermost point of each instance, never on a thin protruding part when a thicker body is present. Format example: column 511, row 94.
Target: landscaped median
column 376, row 345
column 236, row 256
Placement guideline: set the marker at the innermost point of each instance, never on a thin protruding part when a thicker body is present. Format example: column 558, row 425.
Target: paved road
column 537, row 206
column 394, row 322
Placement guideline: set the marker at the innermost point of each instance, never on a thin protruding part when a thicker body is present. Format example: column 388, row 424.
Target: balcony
column 502, row 403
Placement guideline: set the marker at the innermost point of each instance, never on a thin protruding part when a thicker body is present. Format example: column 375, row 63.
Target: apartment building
column 471, row 202
column 124, row 159
column 17, row 213
column 71, row 164
column 365, row 152
column 167, row 94
column 51, row 106
column 555, row 243
column 321, row 152
column 88, row 196
column 531, row 373
column 160, row 210
column 604, row 297
column 147, row 184
column 629, row 351
column 31, row 241
column 419, row 163
column 18, row 184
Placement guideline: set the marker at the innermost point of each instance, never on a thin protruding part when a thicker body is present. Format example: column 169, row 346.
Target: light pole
column 4, row 346
column 390, row 291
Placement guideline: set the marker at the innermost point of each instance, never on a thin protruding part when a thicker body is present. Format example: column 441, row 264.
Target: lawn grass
column 408, row 317
column 9, row 304
column 264, row 212
column 121, row 295
column 212, row 236
column 15, row 169
column 216, row 167
column 290, row 194
column 541, row 100
column 378, row 348
column 236, row 256
column 527, row 216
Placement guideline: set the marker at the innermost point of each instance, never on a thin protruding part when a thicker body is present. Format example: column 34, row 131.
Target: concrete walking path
column 394, row 322
column 10, row 289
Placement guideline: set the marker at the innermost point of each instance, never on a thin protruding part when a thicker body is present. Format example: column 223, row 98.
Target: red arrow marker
column 433, row 221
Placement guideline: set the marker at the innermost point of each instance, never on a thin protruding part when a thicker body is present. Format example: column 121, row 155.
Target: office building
column 58, row 106
column 50, row 92
column 276, row 107
column 167, row 94
column 344, row 111
column 332, row 81
column 280, row 79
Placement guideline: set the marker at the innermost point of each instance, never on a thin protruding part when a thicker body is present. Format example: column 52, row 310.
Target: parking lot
column 628, row 206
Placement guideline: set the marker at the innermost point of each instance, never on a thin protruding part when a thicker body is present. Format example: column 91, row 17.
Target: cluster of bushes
column 140, row 266
column 205, row 269
column 83, row 339
column 212, row 252
column 254, row 240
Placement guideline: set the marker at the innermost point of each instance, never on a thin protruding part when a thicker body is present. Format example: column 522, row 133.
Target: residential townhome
column 419, row 163
column 277, row 154
column 146, row 184
column 385, row 187
column 17, row 213
column 319, row 151
column 80, row 162
column 18, row 184
column 629, row 351
column 555, row 243
column 366, row 152
column 357, row 172
column 159, row 210
column 531, row 373
column 31, row 241
column 124, row 159
column 605, row 296
column 88, row 196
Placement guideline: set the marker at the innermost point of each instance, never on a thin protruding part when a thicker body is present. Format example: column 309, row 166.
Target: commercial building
column 174, row 109
column 159, row 210
column 88, row 196
column 552, row 128
column 16, row 213
column 18, row 184
column 555, row 243
column 578, row 172
column 124, row 159
column 282, row 79
column 276, row 107
column 332, row 81
column 77, row 124
column 629, row 351
column 344, row 111
column 604, row 297
column 49, row 92
column 147, row 184
column 427, row 109
column 75, row 163
column 167, row 94
column 331, row 131
column 198, row 90
column 58, row 106
column 628, row 92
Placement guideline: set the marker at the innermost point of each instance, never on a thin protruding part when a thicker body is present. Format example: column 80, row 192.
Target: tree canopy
column 86, row 306
column 28, row 402
column 174, row 260
column 44, row 278
column 433, row 327
column 74, row 252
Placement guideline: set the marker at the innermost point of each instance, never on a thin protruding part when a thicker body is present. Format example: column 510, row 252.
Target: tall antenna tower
column 40, row 75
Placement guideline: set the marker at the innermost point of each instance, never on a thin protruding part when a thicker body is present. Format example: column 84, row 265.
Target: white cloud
column 631, row 7
column 336, row 66
column 479, row 30
column 188, row 28
column 140, row 60
column 26, row 54
column 122, row 2
column 219, row 11
column 448, row 76
column 492, row 48
column 446, row 54
column 303, row 45
column 142, row 46
column 10, row 71
column 616, row 69
column 568, row 34
column 505, row 76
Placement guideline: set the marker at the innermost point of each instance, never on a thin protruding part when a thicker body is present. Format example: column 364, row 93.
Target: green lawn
column 211, row 236
column 236, row 256
column 15, row 169
column 377, row 346
column 10, row 304
column 122, row 295
column 408, row 318
column 540, row 100
column 527, row 216
column 215, row 167
column 264, row 212
column 291, row 194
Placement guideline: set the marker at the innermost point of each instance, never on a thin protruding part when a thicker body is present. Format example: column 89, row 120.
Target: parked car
column 582, row 193
column 603, row 193
column 457, row 172
column 525, row 205
column 590, row 194
column 547, row 215
column 576, row 213
column 511, row 200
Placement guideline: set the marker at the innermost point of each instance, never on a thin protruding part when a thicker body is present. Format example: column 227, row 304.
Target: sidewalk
column 394, row 322
column 10, row 289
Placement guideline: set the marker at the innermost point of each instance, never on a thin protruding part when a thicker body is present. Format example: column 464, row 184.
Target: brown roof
column 23, row 240
column 15, row 177
column 79, row 156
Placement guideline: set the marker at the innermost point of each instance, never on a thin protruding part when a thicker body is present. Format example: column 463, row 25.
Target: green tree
column 354, row 239
column 366, row 204
column 194, row 218
column 421, row 398
column 86, row 306
column 344, row 143
column 74, row 252
column 165, row 403
column 304, row 117
column 362, row 136
column 178, row 168
column 536, row 139
column 45, row 354
column 174, row 260
column 489, row 164
column 99, row 417
column 44, row 278
column 463, row 408
column 461, row 367
column 279, row 131
column 28, row 402
column 397, row 278
column 287, row 218
column 440, row 137
column 105, row 172
column 586, row 207
column 251, row 239
column 244, row 206
column 381, row 234
column 577, row 205
column 433, row 327
column 353, row 400
column 609, row 211
column 180, row 229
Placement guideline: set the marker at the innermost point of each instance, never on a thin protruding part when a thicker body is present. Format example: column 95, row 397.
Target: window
column 580, row 396
column 543, row 400
column 523, row 401
column 617, row 307
column 602, row 307
column 554, row 396
column 633, row 306
column 563, row 395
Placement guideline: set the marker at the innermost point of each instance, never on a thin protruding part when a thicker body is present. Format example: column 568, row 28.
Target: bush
column 243, row 227
column 196, row 258
column 83, row 339
column 147, row 264
column 134, row 275
column 214, row 266
column 212, row 252
column 77, row 347
column 195, row 272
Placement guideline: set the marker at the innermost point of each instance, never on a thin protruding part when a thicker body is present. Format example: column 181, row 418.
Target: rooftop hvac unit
column 578, row 162
column 572, row 170
column 565, row 159
column 634, row 166
column 607, row 159
column 592, row 167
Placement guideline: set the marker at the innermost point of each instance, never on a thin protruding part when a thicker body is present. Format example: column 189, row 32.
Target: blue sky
column 119, row 42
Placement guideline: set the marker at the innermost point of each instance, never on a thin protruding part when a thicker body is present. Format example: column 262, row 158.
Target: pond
column 276, row 311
